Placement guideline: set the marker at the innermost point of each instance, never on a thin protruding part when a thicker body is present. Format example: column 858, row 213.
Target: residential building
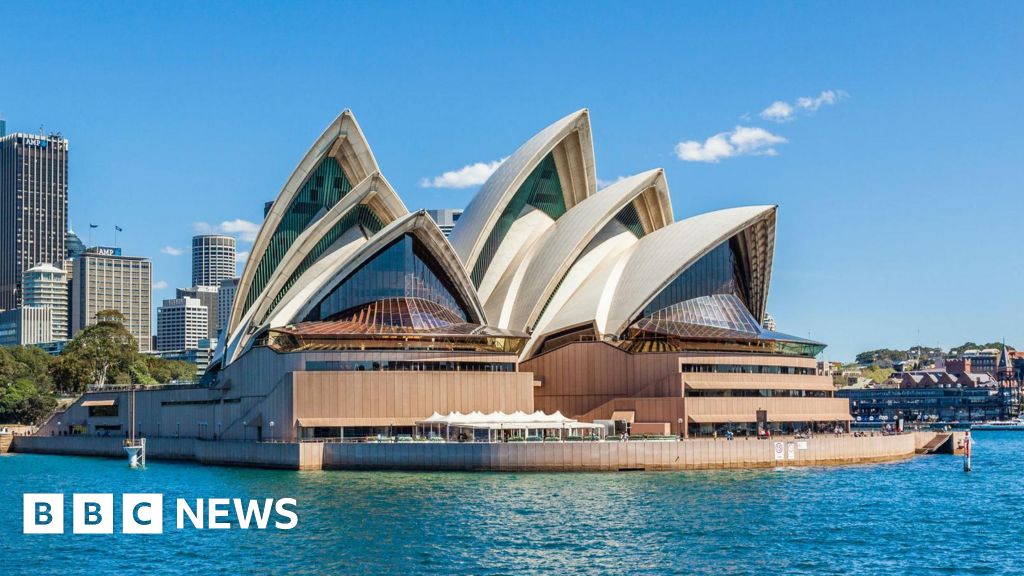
column 982, row 361
column 208, row 296
column 46, row 286
column 33, row 207
column 181, row 324
column 213, row 259
column 105, row 280
column 26, row 326
column 446, row 219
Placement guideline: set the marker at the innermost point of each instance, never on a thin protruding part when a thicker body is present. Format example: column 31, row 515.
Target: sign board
column 780, row 450
column 791, row 449
column 801, row 445
column 104, row 251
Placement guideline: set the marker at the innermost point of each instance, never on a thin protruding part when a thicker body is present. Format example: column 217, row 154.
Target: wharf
column 691, row 454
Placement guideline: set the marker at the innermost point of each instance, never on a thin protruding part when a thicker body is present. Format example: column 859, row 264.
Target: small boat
column 1015, row 424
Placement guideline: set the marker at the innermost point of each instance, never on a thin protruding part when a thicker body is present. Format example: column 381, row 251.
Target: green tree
column 884, row 356
column 106, row 348
column 35, row 364
column 25, row 391
column 22, row 402
column 70, row 374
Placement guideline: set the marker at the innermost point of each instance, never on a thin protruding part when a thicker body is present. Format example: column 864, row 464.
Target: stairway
column 937, row 444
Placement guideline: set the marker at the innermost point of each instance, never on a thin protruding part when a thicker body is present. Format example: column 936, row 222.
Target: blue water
column 922, row 516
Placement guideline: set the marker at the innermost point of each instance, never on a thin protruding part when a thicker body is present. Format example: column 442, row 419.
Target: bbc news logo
column 144, row 513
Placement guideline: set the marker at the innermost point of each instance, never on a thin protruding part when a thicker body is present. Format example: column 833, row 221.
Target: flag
column 94, row 225
column 118, row 228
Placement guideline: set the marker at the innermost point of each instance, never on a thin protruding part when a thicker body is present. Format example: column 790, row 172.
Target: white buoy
column 136, row 454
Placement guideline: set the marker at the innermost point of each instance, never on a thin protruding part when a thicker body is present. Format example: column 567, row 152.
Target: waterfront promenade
column 691, row 454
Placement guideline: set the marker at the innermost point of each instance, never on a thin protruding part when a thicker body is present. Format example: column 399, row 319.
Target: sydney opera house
column 354, row 315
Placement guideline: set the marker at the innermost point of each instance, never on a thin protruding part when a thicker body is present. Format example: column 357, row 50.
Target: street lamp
column 679, row 421
column 271, row 430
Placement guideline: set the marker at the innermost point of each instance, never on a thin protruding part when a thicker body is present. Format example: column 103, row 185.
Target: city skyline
column 876, row 223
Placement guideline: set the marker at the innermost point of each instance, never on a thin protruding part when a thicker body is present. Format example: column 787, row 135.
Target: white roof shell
column 615, row 293
column 569, row 138
column 343, row 140
column 533, row 283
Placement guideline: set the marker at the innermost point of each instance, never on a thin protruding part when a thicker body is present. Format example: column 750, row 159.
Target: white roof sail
column 569, row 140
column 619, row 289
column 566, row 239
column 342, row 140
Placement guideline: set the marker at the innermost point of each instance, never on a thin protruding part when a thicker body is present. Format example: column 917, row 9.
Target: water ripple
column 919, row 516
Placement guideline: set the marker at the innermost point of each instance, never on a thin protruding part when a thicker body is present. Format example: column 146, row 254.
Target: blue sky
column 900, row 200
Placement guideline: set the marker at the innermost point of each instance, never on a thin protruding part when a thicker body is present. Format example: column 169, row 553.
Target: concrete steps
column 939, row 444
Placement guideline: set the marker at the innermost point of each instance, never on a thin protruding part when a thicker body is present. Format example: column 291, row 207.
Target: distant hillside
column 959, row 350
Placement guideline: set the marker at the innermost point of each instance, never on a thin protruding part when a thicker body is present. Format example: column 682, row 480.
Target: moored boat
column 1015, row 424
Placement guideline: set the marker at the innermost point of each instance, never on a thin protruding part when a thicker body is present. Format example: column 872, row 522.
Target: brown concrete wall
column 580, row 377
column 378, row 397
column 613, row 456
column 590, row 380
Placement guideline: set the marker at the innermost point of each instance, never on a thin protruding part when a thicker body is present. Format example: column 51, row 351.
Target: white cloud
column 242, row 229
column 465, row 177
column 241, row 257
column 171, row 251
column 160, row 285
column 741, row 141
column 780, row 111
column 827, row 97
column 602, row 183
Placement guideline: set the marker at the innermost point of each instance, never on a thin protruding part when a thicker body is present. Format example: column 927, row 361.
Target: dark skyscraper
column 33, row 207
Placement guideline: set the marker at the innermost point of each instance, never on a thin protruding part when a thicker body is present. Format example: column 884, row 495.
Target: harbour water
column 923, row 515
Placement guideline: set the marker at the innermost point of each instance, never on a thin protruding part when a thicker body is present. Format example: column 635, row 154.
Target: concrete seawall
column 256, row 454
column 570, row 456
column 612, row 456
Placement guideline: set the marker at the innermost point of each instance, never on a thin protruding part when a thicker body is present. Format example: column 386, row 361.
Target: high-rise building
column 225, row 298
column 46, row 286
column 33, row 207
column 445, row 218
column 106, row 280
column 75, row 248
column 74, row 245
column 26, row 326
column 207, row 296
column 180, row 324
column 213, row 259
